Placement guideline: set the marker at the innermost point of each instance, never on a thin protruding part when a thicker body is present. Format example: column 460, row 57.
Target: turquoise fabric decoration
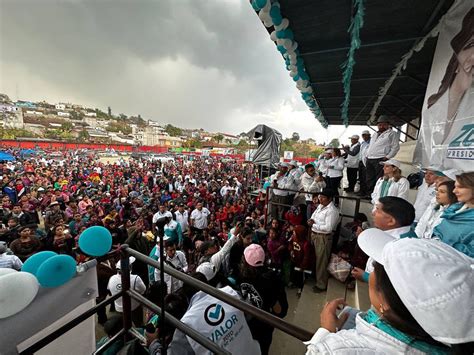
column 348, row 66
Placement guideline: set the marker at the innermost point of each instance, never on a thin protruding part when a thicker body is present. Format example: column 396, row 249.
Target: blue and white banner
column 446, row 137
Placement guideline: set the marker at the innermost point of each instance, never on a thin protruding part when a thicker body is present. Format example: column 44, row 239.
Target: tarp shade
column 6, row 157
column 269, row 141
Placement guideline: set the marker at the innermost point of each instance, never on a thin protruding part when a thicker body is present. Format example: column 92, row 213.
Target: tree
column 83, row 136
column 101, row 114
column 295, row 137
column 219, row 138
column 67, row 127
column 228, row 141
column 173, row 131
column 76, row 115
column 109, row 111
column 334, row 143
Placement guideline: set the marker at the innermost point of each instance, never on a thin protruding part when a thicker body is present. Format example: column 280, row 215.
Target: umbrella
column 6, row 157
column 28, row 152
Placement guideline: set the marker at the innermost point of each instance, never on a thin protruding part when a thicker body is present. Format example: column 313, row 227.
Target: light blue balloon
column 33, row 263
column 280, row 34
column 255, row 6
column 289, row 34
column 261, row 3
column 275, row 15
column 95, row 241
column 281, row 49
column 56, row 271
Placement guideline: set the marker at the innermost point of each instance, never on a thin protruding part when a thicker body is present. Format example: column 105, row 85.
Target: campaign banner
column 446, row 139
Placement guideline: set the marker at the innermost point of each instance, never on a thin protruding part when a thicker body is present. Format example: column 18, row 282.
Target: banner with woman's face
column 446, row 138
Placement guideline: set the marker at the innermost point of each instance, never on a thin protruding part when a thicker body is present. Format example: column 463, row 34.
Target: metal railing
column 127, row 294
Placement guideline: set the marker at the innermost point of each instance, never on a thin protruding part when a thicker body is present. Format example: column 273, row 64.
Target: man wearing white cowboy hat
column 421, row 294
column 383, row 146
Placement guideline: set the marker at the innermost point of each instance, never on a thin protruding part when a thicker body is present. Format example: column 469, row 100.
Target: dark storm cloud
column 194, row 63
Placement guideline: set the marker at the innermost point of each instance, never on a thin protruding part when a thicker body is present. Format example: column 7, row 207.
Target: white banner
column 446, row 139
column 288, row 155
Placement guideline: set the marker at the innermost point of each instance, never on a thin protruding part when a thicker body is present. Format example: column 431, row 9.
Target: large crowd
column 213, row 217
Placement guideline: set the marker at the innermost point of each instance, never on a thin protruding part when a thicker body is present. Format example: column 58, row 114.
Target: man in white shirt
column 225, row 189
column 426, row 193
column 364, row 145
column 323, row 163
column 175, row 259
column 394, row 215
column 323, row 223
column 182, row 217
column 136, row 283
column 352, row 162
column 282, row 198
column 162, row 212
column 9, row 261
column 199, row 219
column 384, row 145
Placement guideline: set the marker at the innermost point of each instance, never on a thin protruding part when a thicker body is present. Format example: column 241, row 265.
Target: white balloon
column 280, row 41
column 285, row 55
column 263, row 15
column 268, row 23
column 273, row 36
column 293, row 72
column 293, row 67
column 294, row 46
column 283, row 25
column 17, row 291
column 267, row 6
column 6, row 271
column 293, row 60
column 287, row 43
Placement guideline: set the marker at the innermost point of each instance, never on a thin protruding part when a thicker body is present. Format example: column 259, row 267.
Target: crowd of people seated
column 218, row 232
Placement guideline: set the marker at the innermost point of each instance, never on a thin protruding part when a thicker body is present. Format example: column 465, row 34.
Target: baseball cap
column 208, row 270
column 383, row 119
column 131, row 260
column 294, row 163
column 254, row 255
column 54, row 203
column 434, row 281
column 355, row 136
column 450, row 174
column 327, row 192
column 283, row 165
column 393, row 162
column 365, row 132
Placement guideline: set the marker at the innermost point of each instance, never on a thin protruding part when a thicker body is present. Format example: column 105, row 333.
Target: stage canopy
column 389, row 31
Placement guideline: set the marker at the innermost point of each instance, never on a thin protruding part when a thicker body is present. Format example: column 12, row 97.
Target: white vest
column 353, row 160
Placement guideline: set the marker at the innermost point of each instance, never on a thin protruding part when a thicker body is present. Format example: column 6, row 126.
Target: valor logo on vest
column 214, row 314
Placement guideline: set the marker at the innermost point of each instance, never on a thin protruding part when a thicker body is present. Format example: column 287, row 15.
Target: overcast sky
column 192, row 63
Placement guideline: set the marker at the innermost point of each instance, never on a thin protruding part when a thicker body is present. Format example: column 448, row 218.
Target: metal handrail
column 266, row 317
column 68, row 326
column 180, row 325
column 268, row 201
